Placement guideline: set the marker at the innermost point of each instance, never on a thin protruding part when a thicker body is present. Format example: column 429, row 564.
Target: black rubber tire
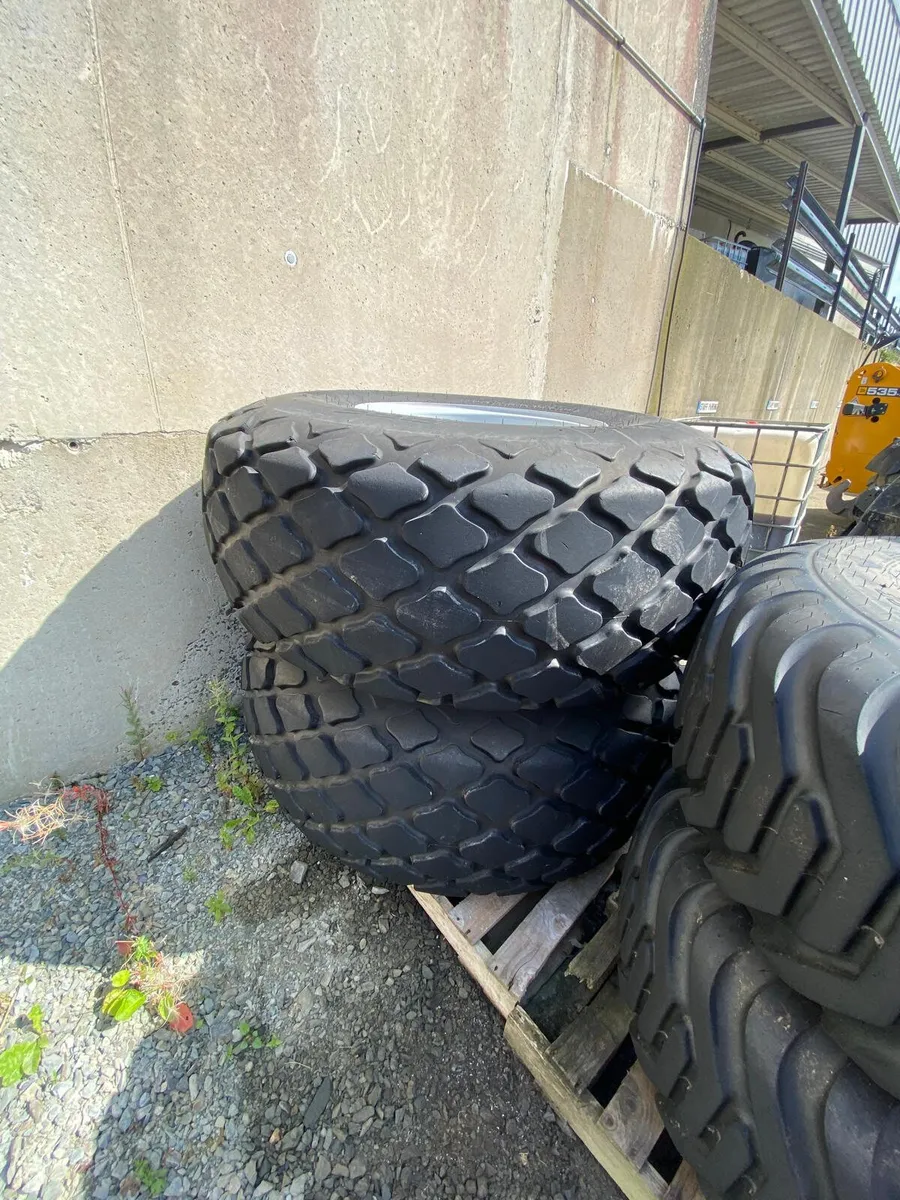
column 753, row 1091
column 879, row 514
column 790, row 750
column 448, row 800
column 497, row 566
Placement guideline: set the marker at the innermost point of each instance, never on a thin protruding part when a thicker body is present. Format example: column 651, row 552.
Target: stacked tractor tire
column 761, row 894
column 466, row 618
column 468, row 621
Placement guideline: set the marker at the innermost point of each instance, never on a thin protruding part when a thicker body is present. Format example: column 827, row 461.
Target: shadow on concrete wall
column 151, row 615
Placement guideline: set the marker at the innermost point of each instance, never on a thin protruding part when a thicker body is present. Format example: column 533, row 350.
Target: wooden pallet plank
column 587, row 1044
column 477, row 915
column 528, row 947
column 632, row 1118
column 685, row 1185
column 594, row 964
column 583, row 1113
column 474, row 958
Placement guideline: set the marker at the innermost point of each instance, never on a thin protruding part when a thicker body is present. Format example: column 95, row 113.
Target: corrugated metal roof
column 870, row 30
column 786, row 62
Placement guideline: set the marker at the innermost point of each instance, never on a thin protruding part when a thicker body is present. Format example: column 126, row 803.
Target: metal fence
column 736, row 251
column 844, row 285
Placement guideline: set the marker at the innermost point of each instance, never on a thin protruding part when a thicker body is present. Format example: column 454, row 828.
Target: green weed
column 237, row 778
column 198, row 737
column 218, row 906
column 251, row 1039
column 154, row 1179
column 146, row 977
column 137, row 734
column 146, row 783
column 23, row 1058
column 31, row 858
column 189, row 874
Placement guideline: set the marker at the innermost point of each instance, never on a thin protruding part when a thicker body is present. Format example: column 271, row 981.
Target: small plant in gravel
column 146, row 783
column 31, row 859
column 23, row 1058
column 154, row 1179
column 189, row 874
column 198, row 737
column 237, row 778
column 250, row 1039
column 146, row 978
column 218, row 906
column 136, row 733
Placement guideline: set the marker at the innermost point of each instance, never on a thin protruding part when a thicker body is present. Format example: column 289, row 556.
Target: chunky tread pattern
column 588, row 548
column 789, row 753
column 754, row 1092
column 451, row 800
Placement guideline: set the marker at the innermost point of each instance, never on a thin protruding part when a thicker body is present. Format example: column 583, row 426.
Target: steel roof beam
column 775, row 216
column 778, row 131
column 746, row 132
column 744, row 169
column 731, row 120
column 761, row 50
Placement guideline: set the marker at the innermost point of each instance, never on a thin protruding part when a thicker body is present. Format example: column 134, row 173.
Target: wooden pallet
column 576, row 1000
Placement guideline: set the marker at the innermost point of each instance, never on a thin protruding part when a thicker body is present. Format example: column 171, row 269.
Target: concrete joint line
column 77, row 442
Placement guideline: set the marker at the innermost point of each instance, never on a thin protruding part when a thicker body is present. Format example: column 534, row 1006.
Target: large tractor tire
column 453, row 548
column 790, row 759
column 754, row 1092
column 450, row 800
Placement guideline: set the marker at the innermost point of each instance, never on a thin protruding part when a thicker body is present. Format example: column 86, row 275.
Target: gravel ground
column 391, row 1079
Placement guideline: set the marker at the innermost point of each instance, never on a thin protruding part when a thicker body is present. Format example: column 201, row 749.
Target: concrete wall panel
column 739, row 342
column 603, row 328
column 108, row 584
column 72, row 359
column 401, row 153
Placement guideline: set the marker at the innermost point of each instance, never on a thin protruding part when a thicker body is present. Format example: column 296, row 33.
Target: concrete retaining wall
column 209, row 201
column 737, row 341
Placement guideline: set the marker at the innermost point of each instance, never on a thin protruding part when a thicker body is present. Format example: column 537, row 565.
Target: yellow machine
column 868, row 422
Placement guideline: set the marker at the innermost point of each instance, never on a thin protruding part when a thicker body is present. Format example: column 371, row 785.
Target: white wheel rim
column 481, row 413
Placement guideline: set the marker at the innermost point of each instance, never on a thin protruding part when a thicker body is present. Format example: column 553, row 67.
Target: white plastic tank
column 786, row 461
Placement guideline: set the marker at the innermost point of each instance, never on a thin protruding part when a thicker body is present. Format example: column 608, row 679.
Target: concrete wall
column 739, row 342
column 476, row 198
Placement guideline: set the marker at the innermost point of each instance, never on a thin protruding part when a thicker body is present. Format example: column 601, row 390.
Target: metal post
column 796, row 201
column 888, row 319
column 843, row 207
column 865, row 321
column 888, row 279
column 841, row 277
